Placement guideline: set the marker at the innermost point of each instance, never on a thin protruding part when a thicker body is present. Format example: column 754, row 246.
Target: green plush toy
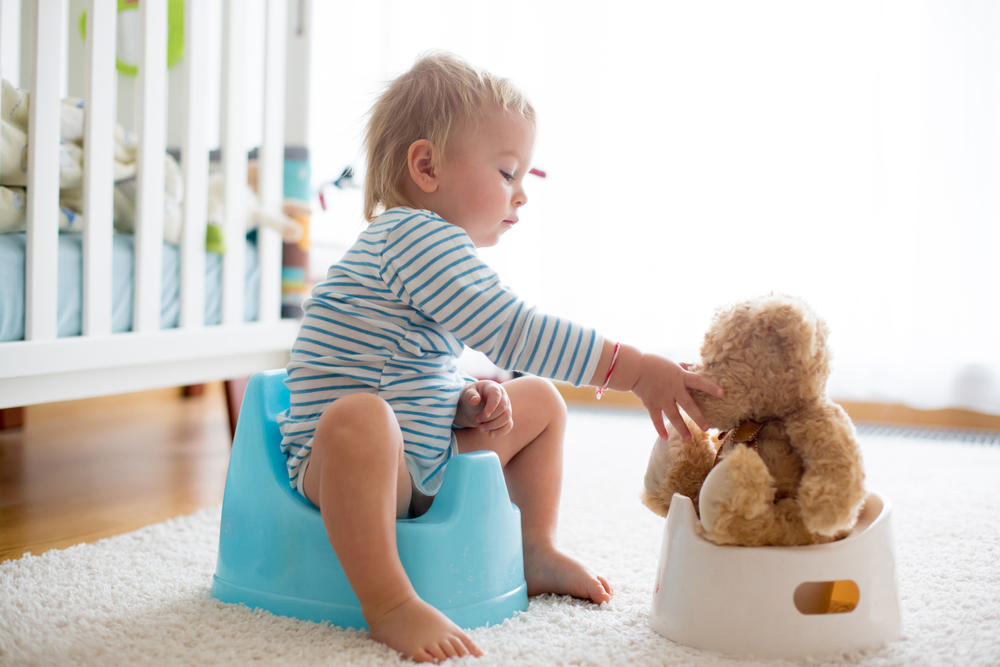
column 128, row 34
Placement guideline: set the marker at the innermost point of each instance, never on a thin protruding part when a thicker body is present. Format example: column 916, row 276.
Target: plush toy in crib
column 785, row 467
column 14, row 104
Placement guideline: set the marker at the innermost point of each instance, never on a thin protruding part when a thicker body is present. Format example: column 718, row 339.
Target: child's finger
column 471, row 396
column 675, row 418
column 494, row 396
column 694, row 381
column 657, row 416
column 507, row 429
column 502, row 428
column 497, row 422
column 694, row 413
column 500, row 424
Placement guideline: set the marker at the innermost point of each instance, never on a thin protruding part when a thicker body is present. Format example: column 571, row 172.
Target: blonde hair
column 440, row 91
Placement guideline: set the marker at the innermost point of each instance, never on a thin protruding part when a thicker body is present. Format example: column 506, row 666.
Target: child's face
column 481, row 178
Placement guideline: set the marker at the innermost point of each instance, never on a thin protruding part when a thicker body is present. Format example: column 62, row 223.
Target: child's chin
column 488, row 243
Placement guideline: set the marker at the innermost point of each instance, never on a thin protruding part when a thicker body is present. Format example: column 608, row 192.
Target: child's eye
column 507, row 177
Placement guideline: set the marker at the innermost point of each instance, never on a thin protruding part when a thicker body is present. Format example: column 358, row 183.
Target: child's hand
column 663, row 387
column 485, row 405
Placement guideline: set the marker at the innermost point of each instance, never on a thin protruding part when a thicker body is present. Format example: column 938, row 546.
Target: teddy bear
column 784, row 467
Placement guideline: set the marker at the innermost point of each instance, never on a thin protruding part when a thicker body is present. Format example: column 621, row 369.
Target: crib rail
column 44, row 367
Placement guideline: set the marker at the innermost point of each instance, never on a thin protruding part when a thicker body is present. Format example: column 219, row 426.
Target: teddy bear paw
column 739, row 487
column 826, row 508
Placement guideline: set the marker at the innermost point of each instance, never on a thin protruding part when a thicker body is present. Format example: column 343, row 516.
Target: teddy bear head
column 770, row 356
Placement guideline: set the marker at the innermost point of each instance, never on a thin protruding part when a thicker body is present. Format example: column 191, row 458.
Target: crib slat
column 41, row 274
column 194, row 164
column 98, row 175
column 272, row 158
column 28, row 41
column 150, row 105
column 2, row 39
column 234, row 160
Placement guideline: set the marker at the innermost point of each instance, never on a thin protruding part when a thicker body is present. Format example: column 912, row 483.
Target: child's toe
column 607, row 586
column 446, row 648
column 460, row 650
column 473, row 648
column 423, row 656
column 597, row 590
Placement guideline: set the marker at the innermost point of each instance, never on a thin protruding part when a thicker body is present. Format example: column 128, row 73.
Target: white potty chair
column 778, row 602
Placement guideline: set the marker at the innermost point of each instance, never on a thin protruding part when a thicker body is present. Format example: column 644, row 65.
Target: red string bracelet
column 614, row 360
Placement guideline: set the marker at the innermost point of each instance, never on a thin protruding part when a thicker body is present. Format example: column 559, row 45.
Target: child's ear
column 423, row 161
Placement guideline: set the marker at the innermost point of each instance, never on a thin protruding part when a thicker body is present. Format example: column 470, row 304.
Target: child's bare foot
column 548, row 570
column 421, row 632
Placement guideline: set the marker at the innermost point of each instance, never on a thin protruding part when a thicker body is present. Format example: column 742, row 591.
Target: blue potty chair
column 463, row 556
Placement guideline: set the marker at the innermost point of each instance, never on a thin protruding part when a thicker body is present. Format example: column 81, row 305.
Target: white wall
column 701, row 152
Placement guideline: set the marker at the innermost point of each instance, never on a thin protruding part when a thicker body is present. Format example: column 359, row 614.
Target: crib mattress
column 70, row 285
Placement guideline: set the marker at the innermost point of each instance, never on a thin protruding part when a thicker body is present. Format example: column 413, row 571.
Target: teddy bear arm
column 832, row 489
column 830, row 498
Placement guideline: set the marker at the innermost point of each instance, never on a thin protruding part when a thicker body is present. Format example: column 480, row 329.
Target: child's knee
column 359, row 418
column 547, row 398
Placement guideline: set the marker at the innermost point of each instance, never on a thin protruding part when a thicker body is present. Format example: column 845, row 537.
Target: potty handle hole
column 827, row 597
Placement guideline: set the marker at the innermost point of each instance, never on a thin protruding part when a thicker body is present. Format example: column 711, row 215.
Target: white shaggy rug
column 143, row 598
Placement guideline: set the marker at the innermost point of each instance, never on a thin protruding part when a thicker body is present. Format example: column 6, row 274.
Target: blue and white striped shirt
column 391, row 319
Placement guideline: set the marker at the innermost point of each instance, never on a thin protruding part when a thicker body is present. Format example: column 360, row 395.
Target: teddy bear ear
column 802, row 332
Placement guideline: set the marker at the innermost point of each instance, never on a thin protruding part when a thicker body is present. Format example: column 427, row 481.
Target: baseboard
column 584, row 397
column 894, row 413
column 859, row 411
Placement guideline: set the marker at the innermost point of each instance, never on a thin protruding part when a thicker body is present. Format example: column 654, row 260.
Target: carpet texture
column 143, row 598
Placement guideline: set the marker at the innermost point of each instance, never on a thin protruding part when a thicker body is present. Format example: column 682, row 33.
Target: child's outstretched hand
column 663, row 387
column 485, row 405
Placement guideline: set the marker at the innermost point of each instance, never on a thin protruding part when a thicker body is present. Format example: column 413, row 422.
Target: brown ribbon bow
column 745, row 433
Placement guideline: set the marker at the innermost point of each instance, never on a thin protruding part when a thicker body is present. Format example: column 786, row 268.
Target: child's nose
column 520, row 197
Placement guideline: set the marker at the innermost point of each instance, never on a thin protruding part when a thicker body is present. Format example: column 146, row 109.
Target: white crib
column 44, row 367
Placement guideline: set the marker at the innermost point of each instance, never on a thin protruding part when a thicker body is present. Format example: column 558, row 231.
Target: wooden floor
column 83, row 470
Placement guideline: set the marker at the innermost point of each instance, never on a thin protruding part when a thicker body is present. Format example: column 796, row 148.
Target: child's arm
column 661, row 384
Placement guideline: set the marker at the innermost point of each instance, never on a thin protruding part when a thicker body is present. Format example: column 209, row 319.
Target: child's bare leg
column 531, row 456
column 358, row 479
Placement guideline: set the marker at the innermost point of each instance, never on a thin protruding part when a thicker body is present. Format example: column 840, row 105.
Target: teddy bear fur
column 805, row 482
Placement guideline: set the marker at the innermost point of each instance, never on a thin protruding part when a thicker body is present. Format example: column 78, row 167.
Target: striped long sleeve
column 393, row 316
column 433, row 267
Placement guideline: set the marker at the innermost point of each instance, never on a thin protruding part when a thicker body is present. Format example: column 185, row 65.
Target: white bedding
column 70, row 287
